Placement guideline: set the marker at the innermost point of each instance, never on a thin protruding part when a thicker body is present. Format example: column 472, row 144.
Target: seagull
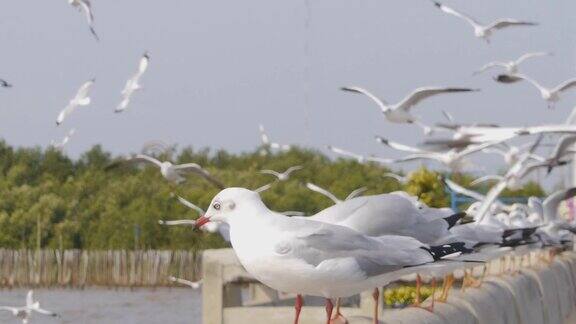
column 284, row 176
column 400, row 112
column 59, row 146
column 514, row 174
column 192, row 284
column 512, row 66
column 330, row 195
column 484, row 31
column 81, row 99
column 563, row 147
column 25, row 312
column 359, row 158
column 454, row 159
column 84, row 5
column 133, row 85
column 171, row 172
column 5, row 84
column 550, row 95
column 390, row 214
column 306, row 257
column 551, row 232
column 269, row 145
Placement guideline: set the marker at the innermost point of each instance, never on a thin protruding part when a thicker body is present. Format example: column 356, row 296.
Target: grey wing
column 491, row 197
column 422, row 93
column 144, row 158
column 381, row 103
column 324, row 244
column 458, row 14
column 356, row 193
column 507, row 22
column 399, row 146
column 566, row 85
column 463, row 191
column 195, row 168
column 551, row 203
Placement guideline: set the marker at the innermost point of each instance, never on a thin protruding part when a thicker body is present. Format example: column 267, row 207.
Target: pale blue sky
column 218, row 68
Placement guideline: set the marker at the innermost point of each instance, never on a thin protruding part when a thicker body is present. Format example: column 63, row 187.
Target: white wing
column 566, row 85
column 486, row 178
column 356, row 193
column 30, row 298
column 263, row 188
column 508, row 22
column 531, row 55
column 399, row 147
column 396, row 177
column 144, row 158
column 263, row 136
column 323, row 191
column 190, row 205
column 381, row 103
column 422, row 93
column 463, row 191
column 491, row 65
column 489, row 200
column 143, row 66
column 271, row 172
column 525, row 78
column 564, row 144
column 455, row 13
column 551, row 203
column 292, row 169
column 344, row 153
column 82, row 94
column 189, row 222
column 191, row 284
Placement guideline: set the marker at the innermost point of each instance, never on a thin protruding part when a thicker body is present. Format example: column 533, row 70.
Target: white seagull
column 306, row 257
column 332, row 197
column 269, row 144
column 453, row 159
column 512, row 66
column 84, row 5
column 25, row 312
column 284, row 176
column 171, row 172
column 80, row 99
column 484, row 31
column 550, row 95
column 192, row 284
column 359, row 158
column 59, row 146
column 400, row 112
column 133, row 85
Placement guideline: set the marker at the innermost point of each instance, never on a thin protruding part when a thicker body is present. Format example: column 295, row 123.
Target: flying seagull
column 284, row 175
column 84, row 5
column 171, row 172
column 5, row 84
column 60, row 145
column 551, row 95
column 359, row 158
column 81, row 99
column 332, row 197
column 484, row 31
column 268, row 144
column 400, row 112
column 512, row 66
column 25, row 312
column 133, row 85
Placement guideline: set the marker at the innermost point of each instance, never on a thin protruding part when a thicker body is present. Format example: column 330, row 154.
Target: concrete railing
column 536, row 293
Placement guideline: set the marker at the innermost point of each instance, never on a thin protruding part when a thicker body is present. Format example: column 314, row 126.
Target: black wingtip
column 452, row 220
column 381, row 139
column 437, row 4
column 441, row 251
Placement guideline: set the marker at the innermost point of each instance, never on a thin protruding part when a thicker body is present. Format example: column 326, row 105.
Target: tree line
column 49, row 200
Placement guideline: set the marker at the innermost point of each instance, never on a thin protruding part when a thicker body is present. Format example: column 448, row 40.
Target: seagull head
column 229, row 204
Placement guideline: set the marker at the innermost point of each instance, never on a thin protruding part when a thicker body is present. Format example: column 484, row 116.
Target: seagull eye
column 216, row 206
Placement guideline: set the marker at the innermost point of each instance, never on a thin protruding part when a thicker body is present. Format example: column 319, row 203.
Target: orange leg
column 298, row 306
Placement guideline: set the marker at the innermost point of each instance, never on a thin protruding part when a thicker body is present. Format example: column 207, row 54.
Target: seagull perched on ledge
column 25, row 312
column 484, row 31
column 80, row 99
column 400, row 112
column 306, row 257
column 171, row 172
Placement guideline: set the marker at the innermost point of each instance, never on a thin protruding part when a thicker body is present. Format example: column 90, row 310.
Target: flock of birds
column 365, row 242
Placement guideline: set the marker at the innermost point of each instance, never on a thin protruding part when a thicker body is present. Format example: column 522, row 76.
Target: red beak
column 201, row 221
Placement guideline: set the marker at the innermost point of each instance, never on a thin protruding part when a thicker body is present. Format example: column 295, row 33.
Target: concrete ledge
column 539, row 293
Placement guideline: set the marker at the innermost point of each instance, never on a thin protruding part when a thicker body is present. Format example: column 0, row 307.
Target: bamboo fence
column 80, row 268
